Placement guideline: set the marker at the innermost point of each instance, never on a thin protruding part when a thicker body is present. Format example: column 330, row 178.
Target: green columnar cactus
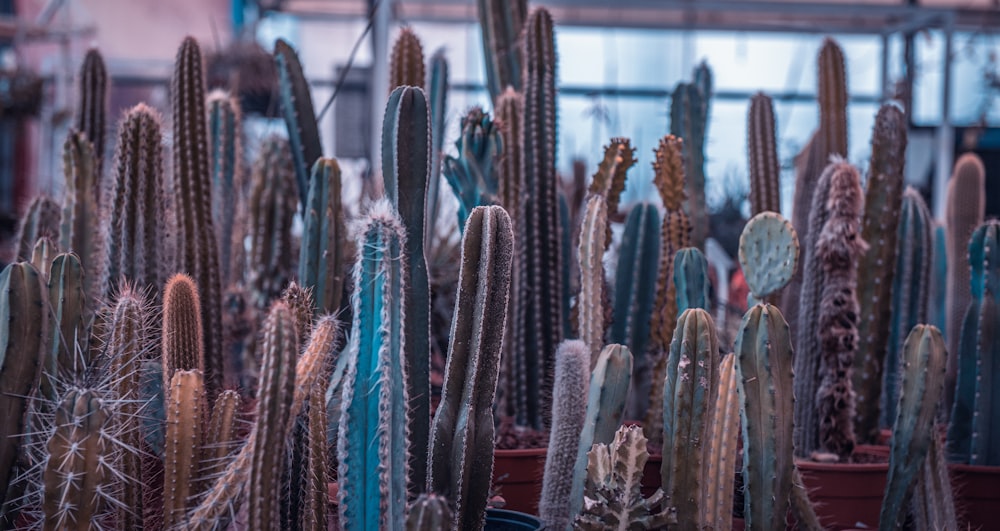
column 128, row 342
column 689, row 394
column 271, row 207
column 183, row 344
column 225, row 142
column 638, row 259
column 973, row 433
column 964, row 210
column 406, row 64
column 765, row 173
column 297, row 108
column 471, row 175
column 606, row 397
column 590, row 301
column 42, row 255
column 42, row 220
column 609, row 181
column 429, row 512
column 69, row 336
column 437, row 93
column 140, row 225
column 768, row 251
column 274, row 419
column 688, row 122
column 936, row 305
column 691, row 279
column 539, row 238
column 23, row 332
column 566, row 220
column 501, row 23
column 883, row 198
column 93, row 106
column 909, row 290
column 614, row 502
column 81, row 230
column 185, row 411
column 405, row 164
column 839, row 245
column 718, row 493
column 197, row 246
column 922, row 381
column 933, row 503
column 461, row 445
column 322, row 259
column 569, row 409
column 314, row 517
column 78, row 470
column 373, row 447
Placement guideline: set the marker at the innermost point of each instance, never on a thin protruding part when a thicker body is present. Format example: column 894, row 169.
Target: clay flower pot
column 505, row 520
column 518, row 476
column 847, row 495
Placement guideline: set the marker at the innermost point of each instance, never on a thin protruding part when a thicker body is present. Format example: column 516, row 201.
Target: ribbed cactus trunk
column 197, row 244
column 590, row 301
column 42, row 220
column 765, row 173
column 322, row 258
column 687, row 121
column 271, row 212
column 297, row 109
column 609, row 181
column 437, row 95
column 93, row 106
column 225, row 141
column 185, row 406
column 501, row 23
column 539, row 238
column 82, row 232
column 472, row 175
column 461, row 444
column 68, row 334
column 406, row 63
column 183, row 344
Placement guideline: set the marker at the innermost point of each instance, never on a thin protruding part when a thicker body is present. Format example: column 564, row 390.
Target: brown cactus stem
column 185, row 407
column 183, row 348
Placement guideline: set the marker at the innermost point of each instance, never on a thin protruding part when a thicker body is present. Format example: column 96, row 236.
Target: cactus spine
column 964, row 211
column 93, row 106
column 139, row 223
column 471, row 175
column 568, row 413
column 197, row 252
column 225, row 141
column 461, row 444
column 590, row 302
column 42, row 220
column 406, row 64
column 405, row 164
column 300, row 118
column 372, row 447
column 322, row 260
column 185, row 409
column 501, row 23
column 272, row 206
column 909, row 290
column 688, row 121
column 883, row 198
column 689, row 393
column 765, row 173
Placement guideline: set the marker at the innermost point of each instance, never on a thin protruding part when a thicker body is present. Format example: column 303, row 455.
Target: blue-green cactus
column 437, row 92
column 471, row 175
column 225, row 144
column 501, row 23
column 688, row 112
column 300, row 118
column 322, row 260
column 691, row 279
column 768, row 252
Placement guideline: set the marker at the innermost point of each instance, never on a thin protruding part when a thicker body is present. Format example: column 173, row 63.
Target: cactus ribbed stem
column 183, row 346
column 472, row 174
column 717, row 496
column 317, row 498
column 93, row 105
column 322, row 259
column 42, row 220
column 81, row 231
column 222, row 438
column 271, row 208
column 609, row 181
column 300, row 118
column 687, row 120
column 225, row 140
column 406, row 64
column 185, row 411
column 675, row 234
column 765, row 173
column 67, row 344
column 501, row 23
column 429, row 512
column 590, row 302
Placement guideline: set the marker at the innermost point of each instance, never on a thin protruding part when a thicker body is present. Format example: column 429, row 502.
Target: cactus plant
column 406, row 64
column 768, row 252
column 185, row 410
column 183, row 344
column 314, row 515
column 42, row 255
column 429, row 512
column 42, row 220
column 909, row 290
column 691, row 279
column 883, row 198
column 93, row 106
column 965, row 207
column 271, row 210
column 687, row 120
column 300, row 118
column 225, row 142
column 140, row 225
column 933, row 503
column 69, row 335
column 405, row 164
column 373, row 447
column 222, row 436
column 590, row 301
column 81, row 231
column 501, row 23
column 568, row 413
column 922, row 381
column 765, row 173
column 461, row 444
column 437, row 95
column 675, row 234
column 197, row 249
column 722, row 439
column 609, row 181
column 322, row 260
column 613, row 501
column 471, row 175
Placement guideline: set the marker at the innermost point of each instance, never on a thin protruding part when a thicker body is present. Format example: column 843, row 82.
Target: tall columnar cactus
column 314, row 512
column 675, row 234
column 437, row 94
column 42, row 255
column 23, row 332
column 609, row 181
column 722, row 439
column 922, row 381
column 271, row 210
column 183, row 344
column 687, row 120
column 429, row 512
column 765, row 173
column 691, row 279
column 373, row 448
column 689, row 395
column 539, row 237
column 501, row 23
column 140, row 226
column 185, row 407
column 277, row 389
column 322, row 258
column 297, row 108
column 883, row 198
column 974, row 432
column 222, row 436
column 42, row 220
column 937, row 301
column 569, row 409
column 471, row 175
column 964, row 210
column 911, row 282
column 79, row 472
column 461, row 444
column 932, row 505
column 405, row 164
column 590, row 301
column 406, row 64
column 93, row 106
column 606, row 397
column 81, row 231
column 197, row 246
column 225, row 142
column 68, row 334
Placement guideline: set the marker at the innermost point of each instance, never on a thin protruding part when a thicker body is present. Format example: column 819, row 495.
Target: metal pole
column 381, row 19
column 945, row 132
column 884, row 68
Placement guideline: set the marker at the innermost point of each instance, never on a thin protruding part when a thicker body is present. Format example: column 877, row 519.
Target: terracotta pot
column 977, row 495
column 505, row 520
column 847, row 495
column 517, row 474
